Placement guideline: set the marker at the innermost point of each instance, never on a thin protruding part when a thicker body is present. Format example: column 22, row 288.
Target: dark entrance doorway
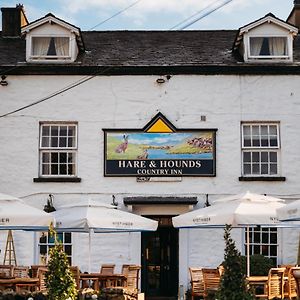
column 160, row 260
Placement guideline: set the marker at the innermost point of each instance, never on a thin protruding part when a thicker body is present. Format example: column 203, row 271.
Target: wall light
column 3, row 81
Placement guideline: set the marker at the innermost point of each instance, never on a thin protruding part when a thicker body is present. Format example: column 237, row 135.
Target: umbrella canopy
column 17, row 215
column 100, row 217
column 290, row 212
column 239, row 210
column 242, row 210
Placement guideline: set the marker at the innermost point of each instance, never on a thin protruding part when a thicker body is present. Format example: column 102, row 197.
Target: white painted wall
column 131, row 102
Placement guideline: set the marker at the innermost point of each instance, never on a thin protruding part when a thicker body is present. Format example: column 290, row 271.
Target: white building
column 79, row 108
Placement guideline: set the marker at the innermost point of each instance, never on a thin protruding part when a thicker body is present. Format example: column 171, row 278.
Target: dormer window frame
column 61, row 29
column 263, row 58
column 278, row 28
column 49, row 58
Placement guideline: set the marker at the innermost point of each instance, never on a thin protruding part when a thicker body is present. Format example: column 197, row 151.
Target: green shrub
column 233, row 284
column 259, row 265
column 59, row 279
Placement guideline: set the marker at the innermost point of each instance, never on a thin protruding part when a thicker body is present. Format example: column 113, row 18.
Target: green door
column 160, row 260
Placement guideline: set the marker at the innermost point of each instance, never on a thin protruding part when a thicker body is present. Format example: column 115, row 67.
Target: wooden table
column 16, row 282
column 97, row 280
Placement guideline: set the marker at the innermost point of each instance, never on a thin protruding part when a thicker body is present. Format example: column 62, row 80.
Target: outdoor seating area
column 24, row 278
column 282, row 282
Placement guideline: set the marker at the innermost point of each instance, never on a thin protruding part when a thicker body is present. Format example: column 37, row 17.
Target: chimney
column 294, row 17
column 13, row 18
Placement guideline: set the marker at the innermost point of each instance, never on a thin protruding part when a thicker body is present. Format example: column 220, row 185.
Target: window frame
column 260, row 149
column 268, row 56
column 255, row 245
column 44, row 259
column 58, row 149
column 50, row 58
column 265, row 58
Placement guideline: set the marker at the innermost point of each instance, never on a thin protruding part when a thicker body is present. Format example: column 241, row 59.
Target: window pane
column 63, row 142
column 54, row 130
column 273, row 141
column 257, row 237
column 71, row 169
column 264, row 130
column 273, row 238
column 273, row 169
column 68, row 249
column 273, row 157
column 255, row 130
column 54, row 169
column 256, row 142
column 68, row 238
column 71, row 142
column 256, row 249
column 273, row 130
column 45, row 141
column 255, row 156
column 54, row 142
column 264, row 157
column 43, row 238
column 63, row 169
column 63, row 131
column 265, row 238
column 71, row 131
column 273, row 250
column 54, row 157
column 62, row 157
column 46, row 169
column 45, row 131
column 265, row 250
column 255, row 169
column 43, row 249
column 264, row 169
column 45, row 157
column 264, row 141
column 247, row 156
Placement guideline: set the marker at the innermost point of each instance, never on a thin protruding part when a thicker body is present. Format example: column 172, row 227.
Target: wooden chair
column 274, row 288
column 197, row 284
column 34, row 270
column 6, row 270
column 211, row 281
column 133, row 277
column 107, row 269
column 33, row 284
column 293, row 283
column 21, row 272
column 76, row 275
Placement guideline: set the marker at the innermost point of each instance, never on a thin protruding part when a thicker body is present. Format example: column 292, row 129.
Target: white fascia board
column 48, row 19
column 269, row 19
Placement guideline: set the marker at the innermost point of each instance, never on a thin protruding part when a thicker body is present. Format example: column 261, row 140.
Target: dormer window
column 52, row 40
column 268, row 39
column 50, row 48
column 268, row 47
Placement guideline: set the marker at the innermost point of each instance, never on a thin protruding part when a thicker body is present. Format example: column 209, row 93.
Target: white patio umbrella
column 15, row 214
column 290, row 212
column 98, row 217
column 242, row 210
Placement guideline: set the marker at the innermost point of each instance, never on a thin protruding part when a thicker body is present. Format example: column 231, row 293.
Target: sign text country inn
column 159, row 149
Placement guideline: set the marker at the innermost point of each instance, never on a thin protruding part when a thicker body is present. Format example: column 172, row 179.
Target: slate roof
column 146, row 52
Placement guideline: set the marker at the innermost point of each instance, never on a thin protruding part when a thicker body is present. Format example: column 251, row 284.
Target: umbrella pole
column 248, row 252
column 90, row 238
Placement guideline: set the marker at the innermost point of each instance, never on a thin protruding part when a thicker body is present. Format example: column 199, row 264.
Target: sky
column 154, row 14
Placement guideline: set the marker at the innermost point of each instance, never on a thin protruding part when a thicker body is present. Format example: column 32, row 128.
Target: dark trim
column 57, row 179
column 261, row 178
column 160, row 200
column 77, row 69
column 159, row 116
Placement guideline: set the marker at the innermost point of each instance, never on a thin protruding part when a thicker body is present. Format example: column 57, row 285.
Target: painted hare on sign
column 122, row 147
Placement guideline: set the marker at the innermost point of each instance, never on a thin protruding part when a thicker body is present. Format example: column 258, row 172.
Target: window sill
column 261, row 178
column 57, row 179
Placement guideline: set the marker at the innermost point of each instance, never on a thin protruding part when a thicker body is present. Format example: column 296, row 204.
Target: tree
column 59, row 279
column 233, row 284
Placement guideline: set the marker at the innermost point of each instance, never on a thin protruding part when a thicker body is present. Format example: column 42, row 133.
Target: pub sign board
column 159, row 149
